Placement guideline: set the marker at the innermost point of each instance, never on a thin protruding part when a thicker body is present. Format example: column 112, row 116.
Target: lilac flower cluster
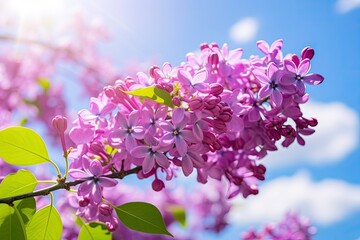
column 292, row 226
column 226, row 114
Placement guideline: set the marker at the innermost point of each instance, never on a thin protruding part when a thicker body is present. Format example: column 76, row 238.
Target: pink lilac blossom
column 292, row 226
column 228, row 113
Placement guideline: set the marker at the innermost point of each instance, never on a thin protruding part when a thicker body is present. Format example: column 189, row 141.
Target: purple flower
column 175, row 132
column 95, row 183
column 196, row 82
column 271, row 85
column 192, row 158
column 299, row 74
column 150, row 154
column 151, row 117
column 128, row 129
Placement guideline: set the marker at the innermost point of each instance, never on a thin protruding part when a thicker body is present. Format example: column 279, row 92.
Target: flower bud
column 209, row 138
column 112, row 225
column 176, row 101
column 219, row 125
column 84, row 202
column 216, row 89
column 196, row 104
column 211, row 101
column 216, row 110
column 153, row 72
column 225, row 116
column 204, row 46
column 213, row 59
column 60, row 124
column 105, row 209
column 308, row 53
column 157, row 185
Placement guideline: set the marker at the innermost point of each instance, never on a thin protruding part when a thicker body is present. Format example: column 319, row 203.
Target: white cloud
column 344, row 6
column 337, row 134
column 244, row 30
column 324, row 202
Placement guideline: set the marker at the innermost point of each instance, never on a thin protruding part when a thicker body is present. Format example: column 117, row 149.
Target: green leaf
column 154, row 94
column 23, row 181
column 178, row 213
column 22, row 146
column 142, row 217
column 94, row 231
column 26, row 208
column 45, row 224
column 11, row 224
column 44, row 83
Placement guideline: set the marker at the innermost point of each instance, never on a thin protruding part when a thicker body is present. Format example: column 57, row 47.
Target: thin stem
column 56, row 167
column 47, row 181
column 66, row 167
column 66, row 185
column 51, row 198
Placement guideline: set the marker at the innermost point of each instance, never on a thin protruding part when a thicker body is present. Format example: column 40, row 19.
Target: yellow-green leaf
column 94, row 231
column 45, row 224
column 154, row 94
column 11, row 223
column 22, row 146
column 23, row 181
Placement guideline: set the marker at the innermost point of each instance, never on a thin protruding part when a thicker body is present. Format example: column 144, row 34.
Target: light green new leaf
column 26, row 208
column 142, row 217
column 23, row 181
column 178, row 213
column 154, row 94
column 11, row 224
column 45, row 224
column 94, row 231
column 22, row 146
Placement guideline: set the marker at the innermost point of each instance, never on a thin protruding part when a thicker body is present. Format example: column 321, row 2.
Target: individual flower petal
column 178, row 115
column 290, row 66
column 162, row 160
column 187, row 165
column 265, row 91
column 130, row 143
column 96, row 168
column 133, row 118
column 140, row 151
column 107, row 182
column 181, row 145
column 78, row 174
column 148, row 163
column 276, row 97
column 198, row 133
column 96, row 193
column 261, row 76
column 85, row 188
column 313, row 79
column 304, row 67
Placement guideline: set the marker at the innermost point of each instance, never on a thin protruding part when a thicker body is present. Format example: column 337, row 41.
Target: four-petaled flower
column 176, row 132
column 299, row 74
column 271, row 85
column 151, row 154
column 93, row 172
column 127, row 129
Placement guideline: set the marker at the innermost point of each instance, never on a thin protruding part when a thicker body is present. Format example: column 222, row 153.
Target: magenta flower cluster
column 292, row 226
column 227, row 113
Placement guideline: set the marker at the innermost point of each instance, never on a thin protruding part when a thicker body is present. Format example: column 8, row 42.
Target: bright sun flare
column 35, row 9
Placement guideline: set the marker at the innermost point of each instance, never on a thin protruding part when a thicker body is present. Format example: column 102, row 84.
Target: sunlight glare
column 35, row 9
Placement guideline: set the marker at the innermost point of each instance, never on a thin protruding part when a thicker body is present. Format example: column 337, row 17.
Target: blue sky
column 322, row 179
